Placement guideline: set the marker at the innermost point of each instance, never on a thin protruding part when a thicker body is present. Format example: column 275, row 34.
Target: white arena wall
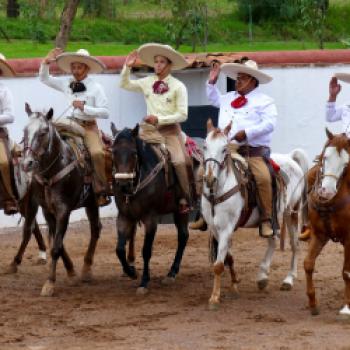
column 300, row 94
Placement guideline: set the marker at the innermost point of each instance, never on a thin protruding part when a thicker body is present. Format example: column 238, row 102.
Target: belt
column 249, row 151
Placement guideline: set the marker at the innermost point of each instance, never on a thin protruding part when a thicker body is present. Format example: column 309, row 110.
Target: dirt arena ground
column 107, row 314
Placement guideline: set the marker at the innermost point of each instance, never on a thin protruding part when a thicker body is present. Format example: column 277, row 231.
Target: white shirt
column 333, row 114
column 94, row 96
column 257, row 117
column 6, row 106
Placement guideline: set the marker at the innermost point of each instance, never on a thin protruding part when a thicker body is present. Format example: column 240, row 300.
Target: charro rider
column 253, row 117
column 333, row 114
column 166, row 100
column 6, row 117
column 88, row 102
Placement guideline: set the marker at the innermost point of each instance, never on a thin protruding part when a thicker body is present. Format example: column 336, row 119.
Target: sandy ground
column 107, row 314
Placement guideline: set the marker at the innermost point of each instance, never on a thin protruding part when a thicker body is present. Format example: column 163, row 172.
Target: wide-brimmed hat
column 6, row 69
column 147, row 52
column 345, row 77
column 65, row 60
column 248, row 67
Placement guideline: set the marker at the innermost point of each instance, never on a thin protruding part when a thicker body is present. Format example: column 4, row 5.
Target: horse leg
column 224, row 240
column 95, row 229
column 234, row 293
column 26, row 234
column 57, row 250
column 131, row 251
column 315, row 248
column 345, row 311
column 181, row 223
column 292, row 223
column 150, row 232
column 41, row 244
column 264, row 269
column 125, row 229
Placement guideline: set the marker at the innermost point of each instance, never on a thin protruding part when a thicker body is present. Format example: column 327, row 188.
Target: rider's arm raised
column 333, row 113
column 7, row 115
column 100, row 108
column 181, row 108
column 126, row 83
column 213, row 94
column 48, row 80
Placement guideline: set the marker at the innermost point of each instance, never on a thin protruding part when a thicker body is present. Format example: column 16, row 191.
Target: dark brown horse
column 142, row 195
column 58, row 187
column 329, row 213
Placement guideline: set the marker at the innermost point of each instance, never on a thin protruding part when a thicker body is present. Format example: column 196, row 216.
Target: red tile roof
column 30, row 66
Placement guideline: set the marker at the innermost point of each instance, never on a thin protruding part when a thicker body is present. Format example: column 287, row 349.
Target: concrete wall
column 300, row 94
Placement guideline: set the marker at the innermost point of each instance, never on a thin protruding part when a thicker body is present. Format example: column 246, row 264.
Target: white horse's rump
column 220, row 177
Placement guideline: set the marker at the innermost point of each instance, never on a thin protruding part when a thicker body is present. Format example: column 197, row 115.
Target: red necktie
column 239, row 102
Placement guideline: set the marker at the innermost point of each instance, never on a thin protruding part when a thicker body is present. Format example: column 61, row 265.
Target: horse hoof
column 86, row 276
column 168, row 281
column 286, row 286
column 11, row 269
column 314, row 311
column 214, row 306
column 142, row 291
column 262, row 284
column 73, row 279
column 48, row 289
column 130, row 272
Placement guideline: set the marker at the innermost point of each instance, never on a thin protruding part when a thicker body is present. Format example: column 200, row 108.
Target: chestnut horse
column 329, row 213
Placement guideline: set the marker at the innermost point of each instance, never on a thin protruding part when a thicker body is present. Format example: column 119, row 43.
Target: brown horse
column 329, row 213
column 58, row 187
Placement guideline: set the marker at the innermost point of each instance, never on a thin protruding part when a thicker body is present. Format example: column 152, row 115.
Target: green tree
column 313, row 15
column 12, row 8
column 98, row 8
column 188, row 22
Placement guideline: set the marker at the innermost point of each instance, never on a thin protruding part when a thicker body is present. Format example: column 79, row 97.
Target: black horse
column 142, row 194
column 58, row 186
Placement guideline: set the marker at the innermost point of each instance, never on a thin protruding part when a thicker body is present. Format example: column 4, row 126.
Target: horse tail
column 299, row 156
column 213, row 248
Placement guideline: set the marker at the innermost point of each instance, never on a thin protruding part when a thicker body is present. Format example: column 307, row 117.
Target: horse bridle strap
column 149, row 178
column 59, row 176
column 215, row 201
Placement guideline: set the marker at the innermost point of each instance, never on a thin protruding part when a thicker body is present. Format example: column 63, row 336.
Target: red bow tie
column 239, row 102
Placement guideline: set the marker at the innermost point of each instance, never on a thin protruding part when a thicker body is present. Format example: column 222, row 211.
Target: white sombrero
column 343, row 77
column 147, row 52
column 65, row 60
column 248, row 67
column 6, row 69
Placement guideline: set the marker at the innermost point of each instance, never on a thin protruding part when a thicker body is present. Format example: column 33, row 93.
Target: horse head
column 37, row 137
column 334, row 161
column 125, row 157
column 215, row 153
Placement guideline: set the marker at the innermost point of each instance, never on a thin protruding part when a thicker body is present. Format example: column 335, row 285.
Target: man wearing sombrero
column 6, row 117
column 333, row 114
column 166, row 100
column 88, row 102
column 253, row 117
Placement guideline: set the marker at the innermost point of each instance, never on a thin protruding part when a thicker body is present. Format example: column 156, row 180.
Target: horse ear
column 28, row 109
column 329, row 134
column 49, row 114
column 135, row 130
column 228, row 128
column 210, row 126
column 114, row 129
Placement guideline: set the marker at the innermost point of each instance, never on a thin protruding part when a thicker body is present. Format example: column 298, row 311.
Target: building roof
column 30, row 66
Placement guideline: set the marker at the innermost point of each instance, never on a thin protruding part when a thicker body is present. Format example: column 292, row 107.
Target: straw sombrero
column 65, row 60
column 6, row 69
column 248, row 67
column 345, row 77
column 147, row 52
